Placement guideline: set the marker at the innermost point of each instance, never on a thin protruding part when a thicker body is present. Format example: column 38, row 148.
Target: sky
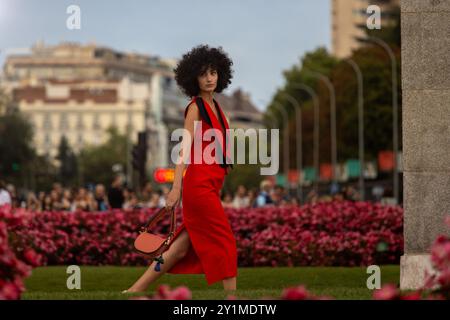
column 263, row 38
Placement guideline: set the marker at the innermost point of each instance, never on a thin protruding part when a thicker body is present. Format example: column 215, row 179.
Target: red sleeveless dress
column 213, row 246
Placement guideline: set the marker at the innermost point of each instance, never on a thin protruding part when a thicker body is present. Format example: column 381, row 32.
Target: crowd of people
column 118, row 196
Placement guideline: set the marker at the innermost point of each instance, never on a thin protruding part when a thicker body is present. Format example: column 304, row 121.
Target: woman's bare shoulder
column 192, row 110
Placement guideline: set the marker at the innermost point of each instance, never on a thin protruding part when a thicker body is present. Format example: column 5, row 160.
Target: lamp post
column 316, row 130
column 359, row 78
column 299, row 137
column 389, row 51
column 285, row 117
column 129, row 165
column 332, row 94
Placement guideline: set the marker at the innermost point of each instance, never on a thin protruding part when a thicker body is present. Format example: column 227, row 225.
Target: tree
column 243, row 174
column 96, row 161
column 68, row 169
column 375, row 66
column 16, row 150
column 312, row 64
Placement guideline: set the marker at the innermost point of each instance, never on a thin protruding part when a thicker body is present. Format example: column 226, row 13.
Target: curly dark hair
column 196, row 62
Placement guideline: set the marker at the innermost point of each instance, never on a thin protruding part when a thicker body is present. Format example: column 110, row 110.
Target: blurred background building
column 79, row 91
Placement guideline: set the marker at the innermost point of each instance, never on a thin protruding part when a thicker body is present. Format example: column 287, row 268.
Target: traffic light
column 139, row 156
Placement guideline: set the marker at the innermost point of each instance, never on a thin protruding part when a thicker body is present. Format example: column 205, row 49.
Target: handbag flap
column 148, row 242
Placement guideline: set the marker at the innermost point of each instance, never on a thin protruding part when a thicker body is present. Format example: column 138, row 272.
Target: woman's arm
column 192, row 115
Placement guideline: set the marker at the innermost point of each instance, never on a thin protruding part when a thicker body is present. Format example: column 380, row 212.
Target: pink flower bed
column 329, row 234
column 15, row 264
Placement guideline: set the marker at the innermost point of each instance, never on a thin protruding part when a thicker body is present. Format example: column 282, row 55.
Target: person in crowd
column 47, row 203
column 100, row 198
column 132, row 201
column 13, row 195
column 294, row 202
column 115, row 194
column 5, row 197
column 241, row 199
column 350, row 193
column 56, row 202
column 66, row 201
column 147, row 192
column 82, row 202
column 33, row 202
column 264, row 198
column 378, row 192
column 252, row 198
column 57, row 187
column 279, row 196
column 338, row 196
column 312, row 197
column 40, row 197
column 163, row 196
column 154, row 201
column 227, row 200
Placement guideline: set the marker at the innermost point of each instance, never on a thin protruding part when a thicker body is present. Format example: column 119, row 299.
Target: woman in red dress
column 204, row 243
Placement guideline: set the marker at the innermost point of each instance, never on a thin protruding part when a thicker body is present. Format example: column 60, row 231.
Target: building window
column 113, row 120
column 80, row 139
column 47, row 123
column 63, row 122
column 47, row 141
column 96, row 123
column 167, row 82
column 80, row 124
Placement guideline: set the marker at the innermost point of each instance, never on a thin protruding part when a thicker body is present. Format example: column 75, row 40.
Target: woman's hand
column 173, row 198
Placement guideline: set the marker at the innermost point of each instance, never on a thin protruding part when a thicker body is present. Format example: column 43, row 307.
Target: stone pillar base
column 412, row 270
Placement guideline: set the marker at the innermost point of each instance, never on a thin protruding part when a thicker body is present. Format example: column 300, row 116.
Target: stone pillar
column 426, row 131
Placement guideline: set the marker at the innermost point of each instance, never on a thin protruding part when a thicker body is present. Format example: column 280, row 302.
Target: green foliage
column 68, row 170
column 96, row 161
column 377, row 83
column 246, row 174
column 375, row 66
column 16, row 151
column 315, row 64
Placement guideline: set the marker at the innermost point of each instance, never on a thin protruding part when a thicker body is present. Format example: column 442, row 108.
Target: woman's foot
column 132, row 290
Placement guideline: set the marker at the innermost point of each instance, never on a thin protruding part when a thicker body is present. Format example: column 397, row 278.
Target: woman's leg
column 176, row 251
column 229, row 283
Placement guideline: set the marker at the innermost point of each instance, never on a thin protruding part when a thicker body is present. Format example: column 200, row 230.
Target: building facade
column 81, row 91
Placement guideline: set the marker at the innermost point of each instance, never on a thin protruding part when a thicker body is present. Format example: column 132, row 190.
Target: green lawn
column 253, row 283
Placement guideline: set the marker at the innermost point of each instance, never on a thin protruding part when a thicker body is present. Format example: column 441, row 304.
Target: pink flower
column 180, row 293
column 416, row 295
column 295, row 293
column 163, row 291
column 387, row 292
column 9, row 291
column 31, row 257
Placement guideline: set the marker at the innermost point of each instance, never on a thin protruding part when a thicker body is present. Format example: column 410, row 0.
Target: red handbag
column 152, row 245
